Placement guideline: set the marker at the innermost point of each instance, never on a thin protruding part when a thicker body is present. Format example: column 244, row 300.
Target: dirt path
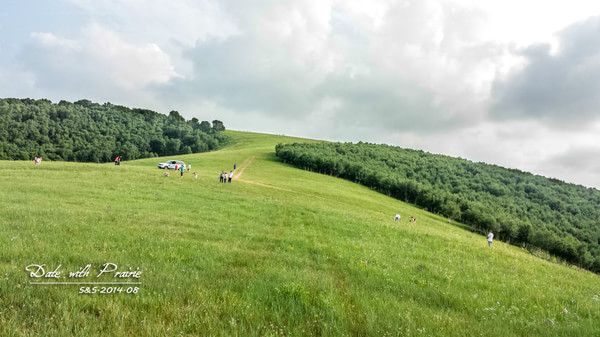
column 242, row 167
column 240, row 171
column 251, row 182
column 248, row 162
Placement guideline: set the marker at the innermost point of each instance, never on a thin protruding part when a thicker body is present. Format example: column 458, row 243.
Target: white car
column 170, row 165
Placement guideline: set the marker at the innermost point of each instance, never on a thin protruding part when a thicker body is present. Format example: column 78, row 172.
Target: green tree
column 218, row 126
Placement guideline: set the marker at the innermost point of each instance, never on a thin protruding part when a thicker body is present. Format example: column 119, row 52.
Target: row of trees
column 521, row 208
column 89, row 132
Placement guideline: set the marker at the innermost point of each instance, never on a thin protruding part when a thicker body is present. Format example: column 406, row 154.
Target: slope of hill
column 279, row 252
column 89, row 132
column 519, row 207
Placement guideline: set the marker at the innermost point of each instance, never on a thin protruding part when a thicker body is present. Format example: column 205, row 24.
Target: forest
column 519, row 207
column 84, row 131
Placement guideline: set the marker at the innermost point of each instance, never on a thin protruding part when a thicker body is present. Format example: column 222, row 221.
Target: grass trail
column 243, row 166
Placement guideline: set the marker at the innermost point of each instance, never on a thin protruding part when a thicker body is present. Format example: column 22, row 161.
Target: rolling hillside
column 279, row 252
column 519, row 207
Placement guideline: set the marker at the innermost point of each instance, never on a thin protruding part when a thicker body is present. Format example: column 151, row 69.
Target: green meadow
column 279, row 252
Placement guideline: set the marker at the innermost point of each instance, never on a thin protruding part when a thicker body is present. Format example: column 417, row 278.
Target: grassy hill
column 517, row 206
column 279, row 252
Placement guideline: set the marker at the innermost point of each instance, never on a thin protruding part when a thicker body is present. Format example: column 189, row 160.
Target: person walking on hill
column 181, row 170
column 118, row 160
column 234, row 166
column 490, row 239
column 188, row 167
column 230, row 176
column 221, row 177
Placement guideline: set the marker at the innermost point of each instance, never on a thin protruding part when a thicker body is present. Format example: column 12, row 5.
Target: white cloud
column 399, row 65
column 49, row 40
column 182, row 22
column 96, row 58
column 173, row 25
column 560, row 87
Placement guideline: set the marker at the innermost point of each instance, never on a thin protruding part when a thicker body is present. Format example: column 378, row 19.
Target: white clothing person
column 490, row 239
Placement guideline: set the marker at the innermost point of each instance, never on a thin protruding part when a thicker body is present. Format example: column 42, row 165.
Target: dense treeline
column 90, row 132
column 521, row 208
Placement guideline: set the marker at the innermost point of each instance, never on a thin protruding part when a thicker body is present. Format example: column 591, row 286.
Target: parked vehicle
column 171, row 164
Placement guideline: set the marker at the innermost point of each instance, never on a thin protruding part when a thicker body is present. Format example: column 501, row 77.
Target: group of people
column 181, row 169
column 490, row 235
column 397, row 217
column 37, row 160
column 225, row 177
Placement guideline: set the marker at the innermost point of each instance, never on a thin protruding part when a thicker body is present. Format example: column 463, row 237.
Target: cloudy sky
column 516, row 83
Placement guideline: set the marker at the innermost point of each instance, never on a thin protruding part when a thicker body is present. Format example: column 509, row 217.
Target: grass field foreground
column 279, row 252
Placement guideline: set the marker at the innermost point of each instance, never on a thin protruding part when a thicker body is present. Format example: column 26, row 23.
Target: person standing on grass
column 234, row 166
column 490, row 239
column 189, row 167
column 181, row 169
column 230, row 176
